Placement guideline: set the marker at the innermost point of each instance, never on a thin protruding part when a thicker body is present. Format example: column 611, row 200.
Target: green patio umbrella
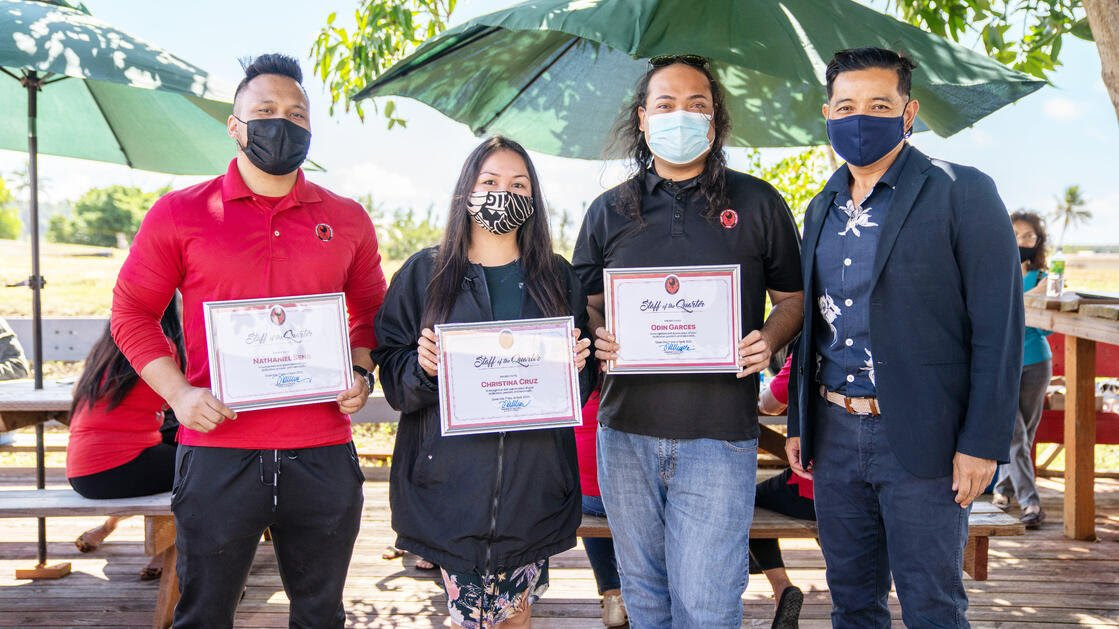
column 94, row 92
column 555, row 73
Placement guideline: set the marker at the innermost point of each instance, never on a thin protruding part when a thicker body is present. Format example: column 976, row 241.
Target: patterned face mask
column 500, row 212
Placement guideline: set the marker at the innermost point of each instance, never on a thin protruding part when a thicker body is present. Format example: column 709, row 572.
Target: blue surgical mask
column 862, row 139
column 678, row 137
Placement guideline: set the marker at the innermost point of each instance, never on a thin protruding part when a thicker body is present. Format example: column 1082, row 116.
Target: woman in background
column 119, row 446
column 1016, row 478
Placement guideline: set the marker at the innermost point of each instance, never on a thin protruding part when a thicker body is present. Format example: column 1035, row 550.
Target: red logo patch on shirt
column 324, row 232
column 729, row 218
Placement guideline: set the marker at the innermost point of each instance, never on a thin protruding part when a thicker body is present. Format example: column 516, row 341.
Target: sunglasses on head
column 695, row 61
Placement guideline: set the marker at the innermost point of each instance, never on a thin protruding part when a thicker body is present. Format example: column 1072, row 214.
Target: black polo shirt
column 759, row 235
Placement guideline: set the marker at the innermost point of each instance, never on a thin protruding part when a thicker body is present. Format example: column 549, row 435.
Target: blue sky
column 1058, row 136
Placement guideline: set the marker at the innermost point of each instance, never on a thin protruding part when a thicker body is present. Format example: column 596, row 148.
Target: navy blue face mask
column 862, row 139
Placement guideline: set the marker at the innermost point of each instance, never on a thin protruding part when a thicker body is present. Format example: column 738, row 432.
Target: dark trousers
column 876, row 520
column 777, row 495
column 600, row 550
column 151, row 472
column 224, row 498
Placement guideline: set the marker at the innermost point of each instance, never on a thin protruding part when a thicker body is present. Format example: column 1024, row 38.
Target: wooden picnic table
column 1081, row 333
column 22, row 405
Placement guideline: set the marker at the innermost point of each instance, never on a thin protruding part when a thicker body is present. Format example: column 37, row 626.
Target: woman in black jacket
column 490, row 508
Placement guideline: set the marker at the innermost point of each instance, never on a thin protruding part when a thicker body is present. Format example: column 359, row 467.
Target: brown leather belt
column 854, row 405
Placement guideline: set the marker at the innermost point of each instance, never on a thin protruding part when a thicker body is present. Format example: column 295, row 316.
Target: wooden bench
column 159, row 529
column 985, row 522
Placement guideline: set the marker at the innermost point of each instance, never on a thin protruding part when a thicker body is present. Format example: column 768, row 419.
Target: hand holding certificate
column 266, row 353
column 508, row 375
column 674, row 320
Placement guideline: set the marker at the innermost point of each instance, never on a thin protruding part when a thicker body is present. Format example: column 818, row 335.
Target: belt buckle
column 847, row 405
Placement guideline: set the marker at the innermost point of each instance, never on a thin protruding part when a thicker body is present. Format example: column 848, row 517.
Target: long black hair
column 538, row 262
column 1039, row 262
column 629, row 137
column 108, row 374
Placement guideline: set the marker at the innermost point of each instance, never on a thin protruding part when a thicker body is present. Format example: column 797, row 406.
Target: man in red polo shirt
column 260, row 230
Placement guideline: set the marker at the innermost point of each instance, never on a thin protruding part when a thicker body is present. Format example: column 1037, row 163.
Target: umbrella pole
column 33, row 83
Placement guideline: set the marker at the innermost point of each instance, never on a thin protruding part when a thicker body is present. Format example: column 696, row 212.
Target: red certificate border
column 446, row 385
column 216, row 362
column 612, row 276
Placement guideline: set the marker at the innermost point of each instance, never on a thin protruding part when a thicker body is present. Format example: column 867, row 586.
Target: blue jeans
column 600, row 550
column 680, row 512
column 876, row 519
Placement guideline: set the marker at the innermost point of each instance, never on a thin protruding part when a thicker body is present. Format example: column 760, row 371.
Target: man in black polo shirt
column 678, row 453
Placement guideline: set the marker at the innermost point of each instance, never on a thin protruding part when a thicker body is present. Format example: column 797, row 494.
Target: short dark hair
column 271, row 63
column 862, row 58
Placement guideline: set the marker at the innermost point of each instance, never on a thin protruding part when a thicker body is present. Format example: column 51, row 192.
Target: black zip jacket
column 472, row 503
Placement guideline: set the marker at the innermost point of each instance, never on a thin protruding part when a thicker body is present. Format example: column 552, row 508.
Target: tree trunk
column 1103, row 17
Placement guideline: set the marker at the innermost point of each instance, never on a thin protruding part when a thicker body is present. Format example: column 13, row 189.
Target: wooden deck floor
column 1038, row 580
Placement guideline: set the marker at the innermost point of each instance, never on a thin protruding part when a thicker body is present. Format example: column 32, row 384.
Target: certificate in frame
column 278, row 351
column 674, row 319
column 501, row 376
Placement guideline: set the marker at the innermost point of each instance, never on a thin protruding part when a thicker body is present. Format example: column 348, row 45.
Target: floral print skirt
column 480, row 601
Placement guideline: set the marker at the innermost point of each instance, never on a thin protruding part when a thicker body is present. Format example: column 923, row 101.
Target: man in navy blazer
column 906, row 374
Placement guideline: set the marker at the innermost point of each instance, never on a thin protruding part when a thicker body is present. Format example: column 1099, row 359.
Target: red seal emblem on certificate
column 729, row 218
column 671, row 284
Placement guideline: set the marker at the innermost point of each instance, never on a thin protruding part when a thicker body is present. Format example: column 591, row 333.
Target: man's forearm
column 784, row 322
column 362, row 357
column 164, row 377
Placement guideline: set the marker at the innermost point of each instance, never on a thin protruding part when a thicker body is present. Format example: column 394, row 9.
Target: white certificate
column 507, row 375
column 674, row 320
column 278, row 351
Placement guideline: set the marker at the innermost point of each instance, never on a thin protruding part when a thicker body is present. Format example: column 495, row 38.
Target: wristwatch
column 365, row 373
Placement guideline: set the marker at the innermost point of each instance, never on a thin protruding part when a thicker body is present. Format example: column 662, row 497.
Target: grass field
column 79, row 278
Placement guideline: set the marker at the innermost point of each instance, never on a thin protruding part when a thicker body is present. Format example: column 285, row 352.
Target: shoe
column 788, row 609
column 1001, row 501
column 1032, row 517
column 614, row 611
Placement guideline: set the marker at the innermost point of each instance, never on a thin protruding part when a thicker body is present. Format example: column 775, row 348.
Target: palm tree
column 1070, row 211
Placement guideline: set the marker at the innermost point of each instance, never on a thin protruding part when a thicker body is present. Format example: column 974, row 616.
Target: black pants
column 224, row 498
column 777, row 495
column 151, row 472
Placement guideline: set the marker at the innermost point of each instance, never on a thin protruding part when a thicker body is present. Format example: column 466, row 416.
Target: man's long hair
column 629, row 137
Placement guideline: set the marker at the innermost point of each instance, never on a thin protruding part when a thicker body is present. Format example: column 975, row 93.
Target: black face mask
column 276, row 145
column 1026, row 253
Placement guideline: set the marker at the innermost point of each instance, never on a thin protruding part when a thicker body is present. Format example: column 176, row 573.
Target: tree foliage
column 10, row 225
column 1070, row 210
column 797, row 177
column 1023, row 34
column 103, row 213
column 384, row 31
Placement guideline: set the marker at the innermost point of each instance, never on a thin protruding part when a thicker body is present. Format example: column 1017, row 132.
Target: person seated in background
column 116, row 449
column 600, row 550
column 13, row 364
column 787, row 494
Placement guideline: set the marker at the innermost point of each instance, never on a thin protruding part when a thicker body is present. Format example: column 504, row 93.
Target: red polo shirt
column 217, row 241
